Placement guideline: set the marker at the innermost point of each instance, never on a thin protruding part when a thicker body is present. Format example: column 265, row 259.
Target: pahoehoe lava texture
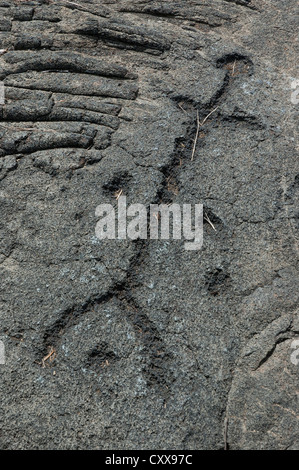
column 143, row 345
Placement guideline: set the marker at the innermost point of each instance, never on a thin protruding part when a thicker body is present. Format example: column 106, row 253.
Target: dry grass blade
column 51, row 356
column 207, row 117
column 206, row 217
column 199, row 125
column 118, row 194
column 196, row 137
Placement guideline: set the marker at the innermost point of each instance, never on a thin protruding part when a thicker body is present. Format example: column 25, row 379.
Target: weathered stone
column 143, row 345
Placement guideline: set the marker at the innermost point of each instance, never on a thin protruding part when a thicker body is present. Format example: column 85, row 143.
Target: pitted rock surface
column 142, row 344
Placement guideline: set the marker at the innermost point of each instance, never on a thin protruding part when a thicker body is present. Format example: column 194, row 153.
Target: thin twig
column 199, row 125
column 196, row 137
column 234, row 66
column 118, row 194
column 49, row 356
column 202, row 123
column 209, row 221
column 180, row 106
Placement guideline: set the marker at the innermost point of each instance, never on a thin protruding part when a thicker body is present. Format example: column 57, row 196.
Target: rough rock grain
column 152, row 346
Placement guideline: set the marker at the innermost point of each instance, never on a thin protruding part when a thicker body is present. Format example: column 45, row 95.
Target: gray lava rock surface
column 141, row 344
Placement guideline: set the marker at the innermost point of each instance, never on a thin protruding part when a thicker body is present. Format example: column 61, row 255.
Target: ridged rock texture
column 142, row 344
